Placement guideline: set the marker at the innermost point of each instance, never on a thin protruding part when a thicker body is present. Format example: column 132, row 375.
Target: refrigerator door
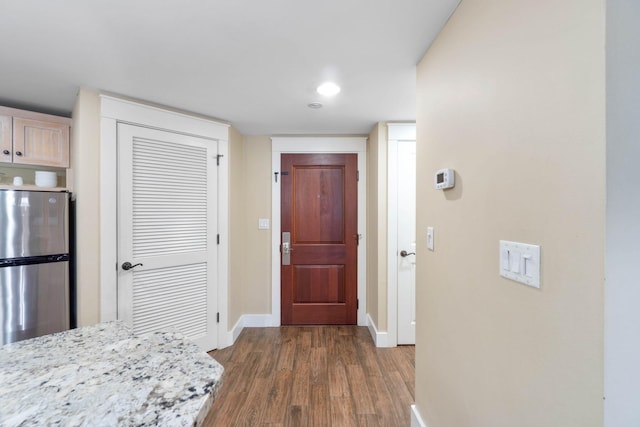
column 34, row 300
column 33, row 223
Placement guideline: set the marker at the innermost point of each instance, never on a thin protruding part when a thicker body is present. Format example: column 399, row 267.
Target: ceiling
column 253, row 63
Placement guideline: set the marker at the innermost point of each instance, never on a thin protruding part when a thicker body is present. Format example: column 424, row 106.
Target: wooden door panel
column 319, row 314
column 319, row 209
column 318, row 213
column 318, row 284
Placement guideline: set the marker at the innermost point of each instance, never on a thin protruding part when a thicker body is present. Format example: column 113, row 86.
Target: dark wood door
column 320, row 211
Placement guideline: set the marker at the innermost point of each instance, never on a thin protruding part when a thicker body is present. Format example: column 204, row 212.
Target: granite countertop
column 105, row 375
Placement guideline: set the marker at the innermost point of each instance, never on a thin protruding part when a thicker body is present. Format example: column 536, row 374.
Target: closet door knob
column 127, row 265
column 6, row 152
column 18, row 153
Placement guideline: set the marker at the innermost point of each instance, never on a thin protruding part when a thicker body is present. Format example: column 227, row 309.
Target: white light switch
column 430, row 238
column 263, row 223
column 527, row 265
column 520, row 262
column 515, row 258
column 504, row 258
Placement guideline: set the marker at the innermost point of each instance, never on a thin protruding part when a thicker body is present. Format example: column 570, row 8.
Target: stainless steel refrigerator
column 34, row 264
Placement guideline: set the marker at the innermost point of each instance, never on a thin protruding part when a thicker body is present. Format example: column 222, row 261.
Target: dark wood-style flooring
column 313, row 376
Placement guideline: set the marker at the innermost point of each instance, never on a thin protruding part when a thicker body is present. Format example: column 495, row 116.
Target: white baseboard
column 380, row 338
column 246, row 321
column 416, row 419
column 228, row 338
column 257, row 320
column 237, row 328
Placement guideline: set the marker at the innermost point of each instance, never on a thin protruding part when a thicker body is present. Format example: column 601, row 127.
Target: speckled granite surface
column 103, row 375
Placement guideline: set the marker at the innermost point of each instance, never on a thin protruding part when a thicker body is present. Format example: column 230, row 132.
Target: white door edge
column 397, row 132
column 286, row 145
column 392, row 244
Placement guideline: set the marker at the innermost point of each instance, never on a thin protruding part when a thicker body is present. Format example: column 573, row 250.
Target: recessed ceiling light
column 314, row 105
column 328, row 89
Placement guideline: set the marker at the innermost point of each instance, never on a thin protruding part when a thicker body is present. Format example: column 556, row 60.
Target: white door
column 406, row 193
column 167, row 227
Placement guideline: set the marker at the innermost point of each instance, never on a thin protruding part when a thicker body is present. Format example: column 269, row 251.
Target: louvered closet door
column 167, row 222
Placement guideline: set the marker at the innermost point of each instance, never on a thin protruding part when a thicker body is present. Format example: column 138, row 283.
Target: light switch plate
column 520, row 262
column 430, row 244
column 263, row 223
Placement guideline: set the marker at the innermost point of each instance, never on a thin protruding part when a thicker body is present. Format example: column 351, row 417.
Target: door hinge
column 357, row 175
column 218, row 159
column 218, row 239
column 218, row 317
column 358, row 304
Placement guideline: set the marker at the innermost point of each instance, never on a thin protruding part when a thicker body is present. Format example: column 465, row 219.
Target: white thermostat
column 444, row 178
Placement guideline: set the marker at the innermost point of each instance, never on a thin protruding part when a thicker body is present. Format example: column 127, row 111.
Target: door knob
column 404, row 253
column 6, row 152
column 127, row 265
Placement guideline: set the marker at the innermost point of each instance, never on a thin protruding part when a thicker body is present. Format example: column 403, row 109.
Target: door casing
column 283, row 145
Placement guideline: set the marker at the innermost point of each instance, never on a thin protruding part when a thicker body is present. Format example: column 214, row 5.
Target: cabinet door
column 37, row 142
column 6, row 151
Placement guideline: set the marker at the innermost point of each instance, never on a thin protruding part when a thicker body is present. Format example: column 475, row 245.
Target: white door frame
column 396, row 133
column 115, row 110
column 280, row 145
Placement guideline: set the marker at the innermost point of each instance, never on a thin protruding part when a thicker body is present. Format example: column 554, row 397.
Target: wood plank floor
column 313, row 376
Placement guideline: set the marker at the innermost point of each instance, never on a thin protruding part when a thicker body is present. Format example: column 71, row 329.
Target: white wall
column 622, row 310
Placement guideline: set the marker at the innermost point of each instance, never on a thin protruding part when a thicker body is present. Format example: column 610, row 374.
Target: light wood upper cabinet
column 37, row 142
column 6, row 143
column 29, row 138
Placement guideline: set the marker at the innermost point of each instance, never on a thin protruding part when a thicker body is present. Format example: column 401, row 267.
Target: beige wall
column 85, row 161
column 511, row 95
column 256, row 253
column 377, row 147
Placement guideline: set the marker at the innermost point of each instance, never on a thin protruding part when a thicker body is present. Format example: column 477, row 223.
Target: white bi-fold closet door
column 167, row 228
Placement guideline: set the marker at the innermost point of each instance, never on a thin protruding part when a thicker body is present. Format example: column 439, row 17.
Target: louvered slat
column 171, row 297
column 170, row 194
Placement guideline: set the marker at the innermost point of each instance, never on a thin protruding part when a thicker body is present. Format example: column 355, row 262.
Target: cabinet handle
column 18, row 153
column 6, row 152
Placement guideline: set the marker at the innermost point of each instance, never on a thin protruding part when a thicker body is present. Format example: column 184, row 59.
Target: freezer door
column 34, row 300
column 33, row 223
